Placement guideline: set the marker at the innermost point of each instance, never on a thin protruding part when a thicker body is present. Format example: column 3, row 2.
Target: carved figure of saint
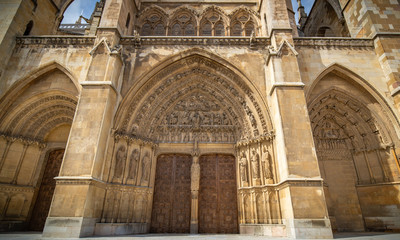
column 255, row 164
column 243, row 168
column 145, row 167
column 133, row 164
column 120, row 157
column 267, row 164
column 195, row 174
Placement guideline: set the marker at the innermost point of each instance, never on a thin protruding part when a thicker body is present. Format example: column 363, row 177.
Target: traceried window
column 212, row 23
column 153, row 25
column 159, row 30
column 183, row 24
column 243, row 24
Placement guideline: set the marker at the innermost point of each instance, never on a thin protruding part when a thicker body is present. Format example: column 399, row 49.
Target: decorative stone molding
column 55, row 41
column 264, row 138
column 134, row 138
column 9, row 189
column 67, row 180
column 337, row 42
column 24, row 140
column 255, row 42
column 300, row 182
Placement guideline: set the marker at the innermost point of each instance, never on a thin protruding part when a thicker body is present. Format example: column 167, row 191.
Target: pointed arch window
column 159, row 30
column 249, row 28
column 237, row 29
column 176, row 30
column 190, row 30
column 206, row 29
column 146, row 29
column 219, row 29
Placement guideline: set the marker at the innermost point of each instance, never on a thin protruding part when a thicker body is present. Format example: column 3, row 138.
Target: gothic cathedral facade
column 214, row 116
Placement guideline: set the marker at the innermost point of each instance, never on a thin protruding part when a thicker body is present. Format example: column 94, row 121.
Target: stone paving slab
column 343, row 236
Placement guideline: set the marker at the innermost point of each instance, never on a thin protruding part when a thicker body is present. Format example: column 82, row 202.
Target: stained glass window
column 219, row 29
column 159, row 30
column 206, row 29
column 236, row 29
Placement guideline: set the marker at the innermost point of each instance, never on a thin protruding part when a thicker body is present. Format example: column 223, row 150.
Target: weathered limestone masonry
column 300, row 182
column 380, row 21
column 214, row 117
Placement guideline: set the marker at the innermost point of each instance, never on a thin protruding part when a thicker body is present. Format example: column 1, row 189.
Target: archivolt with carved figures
column 194, row 98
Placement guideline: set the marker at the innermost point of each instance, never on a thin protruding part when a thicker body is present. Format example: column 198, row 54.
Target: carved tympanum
column 196, row 116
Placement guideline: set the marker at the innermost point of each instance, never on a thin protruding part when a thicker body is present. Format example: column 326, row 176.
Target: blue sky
column 85, row 7
column 78, row 7
column 307, row 6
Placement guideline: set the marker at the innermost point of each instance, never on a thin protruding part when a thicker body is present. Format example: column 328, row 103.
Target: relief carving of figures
column 267, row 164
column 196, row 113
column 120, row 157
column 146, row 167
column 134, row 160
column 243, row 168
column 255, row 163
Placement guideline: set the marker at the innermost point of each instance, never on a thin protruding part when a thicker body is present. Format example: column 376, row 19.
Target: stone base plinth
column 309, row 228
column 109, row 229
column 68, row 227
column 272, row 230
column 11, row 226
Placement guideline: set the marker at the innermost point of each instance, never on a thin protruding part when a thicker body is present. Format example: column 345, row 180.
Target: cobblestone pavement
column 344, row 236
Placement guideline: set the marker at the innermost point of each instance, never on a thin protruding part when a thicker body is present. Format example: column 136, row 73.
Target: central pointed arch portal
column 192, row 115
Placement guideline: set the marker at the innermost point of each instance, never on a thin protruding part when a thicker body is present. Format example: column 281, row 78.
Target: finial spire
column 302, row 14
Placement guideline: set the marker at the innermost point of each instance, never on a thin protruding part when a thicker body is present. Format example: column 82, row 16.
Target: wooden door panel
column 47, row 186
column 217, row 197
column 171, row 201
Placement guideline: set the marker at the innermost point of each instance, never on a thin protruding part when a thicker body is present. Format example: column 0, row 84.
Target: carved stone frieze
column 24, row 140
column 339, row 43
column 257, row 42
column 56, row 41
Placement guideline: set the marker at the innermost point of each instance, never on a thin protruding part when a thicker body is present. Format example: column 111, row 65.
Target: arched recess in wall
column 180, row 78
column 189, row 98
column 356, row 138
column 36, row 117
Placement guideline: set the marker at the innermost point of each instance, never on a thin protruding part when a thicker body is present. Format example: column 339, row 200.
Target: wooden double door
column 46, row 190
column 217, row 196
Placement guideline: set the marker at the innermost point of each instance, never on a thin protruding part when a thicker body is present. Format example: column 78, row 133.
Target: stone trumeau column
column 79, row 194
column 300, row 185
